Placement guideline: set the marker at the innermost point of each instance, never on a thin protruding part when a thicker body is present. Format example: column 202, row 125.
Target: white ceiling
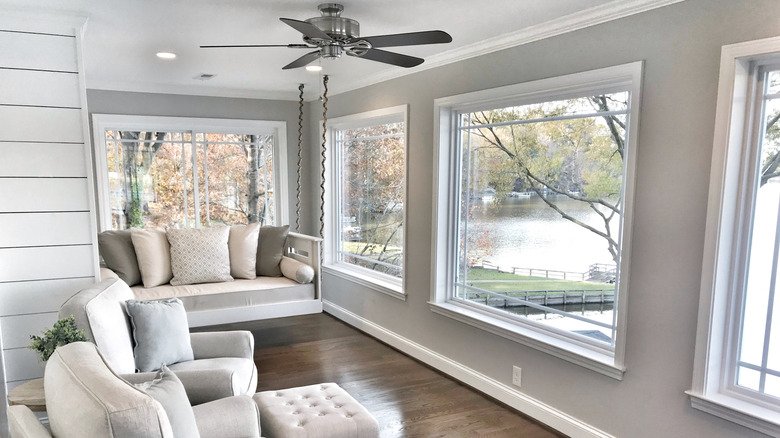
column 123, row 36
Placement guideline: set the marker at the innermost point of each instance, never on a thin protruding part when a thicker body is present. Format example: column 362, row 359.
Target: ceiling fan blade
column 398, row 59
column 307, row 29
column 289, row 46
column 409, row 39
column 303, row 60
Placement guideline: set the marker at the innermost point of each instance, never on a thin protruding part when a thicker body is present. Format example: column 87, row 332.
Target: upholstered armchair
column 86, row 399
column 223, row 362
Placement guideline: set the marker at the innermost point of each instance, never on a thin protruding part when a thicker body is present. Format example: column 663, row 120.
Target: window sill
column 738, row 411
column 599, row 362
column 367, row 281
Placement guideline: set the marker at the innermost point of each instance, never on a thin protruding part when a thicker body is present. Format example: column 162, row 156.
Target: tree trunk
column 253, row 189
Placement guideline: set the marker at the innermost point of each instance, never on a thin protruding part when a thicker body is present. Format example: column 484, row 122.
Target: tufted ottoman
column 316, row 411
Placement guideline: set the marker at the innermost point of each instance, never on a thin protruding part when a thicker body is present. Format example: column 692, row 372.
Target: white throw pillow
column 297, row 271
column 199, row 255
column 154, row 256
column 242, row 245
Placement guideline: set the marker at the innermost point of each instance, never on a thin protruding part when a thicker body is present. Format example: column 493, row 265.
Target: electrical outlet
column 517, row 374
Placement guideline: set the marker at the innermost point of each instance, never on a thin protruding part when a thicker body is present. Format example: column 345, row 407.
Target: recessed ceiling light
column 166, row 55
column 314, row 68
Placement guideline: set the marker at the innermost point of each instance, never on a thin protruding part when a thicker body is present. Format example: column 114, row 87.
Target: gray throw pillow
column 167, row 389
column 199, row 255
column 160, row 331
column 116, row 248
column 270, row 249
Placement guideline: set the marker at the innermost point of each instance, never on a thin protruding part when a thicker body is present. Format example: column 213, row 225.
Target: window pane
column 152, row 184
column 748, row 378
column 773, row 87
column 146, row 178
column 759, row 275
column 371, row 191
column 772, row 386
column 540, row 212
column 236, row 179
column 762, row 263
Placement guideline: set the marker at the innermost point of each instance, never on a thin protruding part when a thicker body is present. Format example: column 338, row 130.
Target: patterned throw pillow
column 199, row 255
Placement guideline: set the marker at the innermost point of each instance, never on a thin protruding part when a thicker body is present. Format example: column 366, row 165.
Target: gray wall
column 681, row 47
column 148, row 104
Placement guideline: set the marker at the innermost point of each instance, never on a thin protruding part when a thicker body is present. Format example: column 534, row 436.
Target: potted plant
column 62, row 333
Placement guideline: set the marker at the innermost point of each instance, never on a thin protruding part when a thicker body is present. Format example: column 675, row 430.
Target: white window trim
column 377, row 282
column 103, row 122
column 627, row 76
column 725, row 210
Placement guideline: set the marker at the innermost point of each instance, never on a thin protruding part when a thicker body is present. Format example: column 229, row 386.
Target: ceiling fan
column 332, row 35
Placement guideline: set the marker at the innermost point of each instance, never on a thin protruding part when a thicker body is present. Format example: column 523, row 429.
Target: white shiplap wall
column 47, row 222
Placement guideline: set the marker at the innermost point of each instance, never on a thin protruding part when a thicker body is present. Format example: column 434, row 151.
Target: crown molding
column 194, row 90
column 569, row 23
column 54, row 22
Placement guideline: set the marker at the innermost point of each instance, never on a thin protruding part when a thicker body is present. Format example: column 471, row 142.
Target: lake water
column 526, row 233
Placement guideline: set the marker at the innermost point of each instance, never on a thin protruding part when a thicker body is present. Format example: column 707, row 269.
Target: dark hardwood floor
column 408, row 399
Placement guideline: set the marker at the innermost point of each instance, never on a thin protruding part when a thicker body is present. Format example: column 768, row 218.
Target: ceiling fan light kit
column 332, row 35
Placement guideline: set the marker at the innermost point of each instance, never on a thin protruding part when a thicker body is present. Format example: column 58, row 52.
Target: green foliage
column 62, row 333
column 571, row 148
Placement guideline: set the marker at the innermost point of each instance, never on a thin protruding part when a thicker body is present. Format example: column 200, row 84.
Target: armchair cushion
column 169, row 392
column 99, row 311
column 161, row 333
column 202, row 386
column 228, row 417
column 208, row 345
column 244, row 374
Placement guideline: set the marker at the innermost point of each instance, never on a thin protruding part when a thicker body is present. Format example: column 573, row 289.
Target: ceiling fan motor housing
column 341, row 29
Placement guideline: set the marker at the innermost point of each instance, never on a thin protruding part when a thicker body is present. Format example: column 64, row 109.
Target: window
column 535, row 185
column 367, row 193
column 737, row 364
column 159, row 171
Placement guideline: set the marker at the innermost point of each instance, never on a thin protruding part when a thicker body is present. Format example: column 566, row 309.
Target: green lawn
column 479, row 277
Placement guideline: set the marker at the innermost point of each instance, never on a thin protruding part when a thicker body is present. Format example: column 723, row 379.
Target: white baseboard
column 529, row 406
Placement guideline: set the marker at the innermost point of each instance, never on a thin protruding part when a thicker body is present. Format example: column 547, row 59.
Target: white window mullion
column 770, row 307
column 184, row 185
column 206, row 177
column 195, row 182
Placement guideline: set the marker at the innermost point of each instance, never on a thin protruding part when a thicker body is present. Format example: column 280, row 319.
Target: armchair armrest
column 23, row 423
column 202, row 386
column 208, row 345
column 232, row 417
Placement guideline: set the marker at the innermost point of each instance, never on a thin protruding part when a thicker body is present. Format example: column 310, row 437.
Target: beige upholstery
column 86, row 399
column 316, row 411
column 22, row 422
column 223, row 365
column 99, row 311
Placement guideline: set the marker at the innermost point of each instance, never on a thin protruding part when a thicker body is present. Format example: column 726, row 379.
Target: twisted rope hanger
column 324, row 150
column 300, row 159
